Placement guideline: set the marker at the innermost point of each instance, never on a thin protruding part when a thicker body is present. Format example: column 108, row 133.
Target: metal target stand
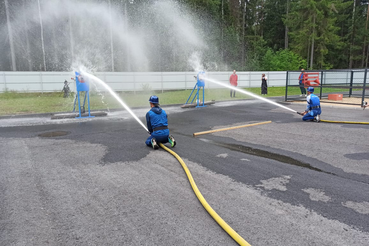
column 82, row 86
column 200, row 84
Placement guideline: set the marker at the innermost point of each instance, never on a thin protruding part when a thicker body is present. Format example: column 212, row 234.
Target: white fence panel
column 129, row 81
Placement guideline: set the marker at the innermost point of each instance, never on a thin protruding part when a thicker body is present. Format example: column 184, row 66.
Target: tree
column 282, row 60
column 274, row 27
column 313, row 29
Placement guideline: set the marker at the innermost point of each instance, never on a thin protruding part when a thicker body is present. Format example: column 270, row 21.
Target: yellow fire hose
column 208, row 208
column 345, row 122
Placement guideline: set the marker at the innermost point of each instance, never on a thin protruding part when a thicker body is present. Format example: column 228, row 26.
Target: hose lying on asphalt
column 208, row 208
column 341, row 122
column 345, row 122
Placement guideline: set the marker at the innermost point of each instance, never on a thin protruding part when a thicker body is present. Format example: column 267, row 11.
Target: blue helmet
column 310, row 89
column 154, row 99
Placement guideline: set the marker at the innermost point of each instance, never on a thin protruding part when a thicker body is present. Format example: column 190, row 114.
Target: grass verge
column 14, row 103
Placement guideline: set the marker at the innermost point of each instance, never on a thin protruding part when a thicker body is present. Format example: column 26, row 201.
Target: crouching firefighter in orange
column 157, row 124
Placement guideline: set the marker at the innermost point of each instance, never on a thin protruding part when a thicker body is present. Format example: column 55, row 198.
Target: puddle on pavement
column 53, row 134
column 265, row 154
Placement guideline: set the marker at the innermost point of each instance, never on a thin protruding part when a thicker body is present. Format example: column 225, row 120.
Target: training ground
column 94, row 182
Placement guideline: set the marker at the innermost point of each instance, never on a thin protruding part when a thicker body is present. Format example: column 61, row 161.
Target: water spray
column 249, row 93
column 95, row 79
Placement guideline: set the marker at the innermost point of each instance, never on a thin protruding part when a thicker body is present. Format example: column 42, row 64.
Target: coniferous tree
column 313, row 29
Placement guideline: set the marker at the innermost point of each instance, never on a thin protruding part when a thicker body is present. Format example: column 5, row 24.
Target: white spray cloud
column 195, row 62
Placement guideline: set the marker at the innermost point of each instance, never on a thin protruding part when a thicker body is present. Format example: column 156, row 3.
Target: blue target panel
column 81, row 84
column 200, row 79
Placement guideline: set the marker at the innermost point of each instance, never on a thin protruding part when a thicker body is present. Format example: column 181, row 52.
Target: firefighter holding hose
column 157, row 124
column 313, row 109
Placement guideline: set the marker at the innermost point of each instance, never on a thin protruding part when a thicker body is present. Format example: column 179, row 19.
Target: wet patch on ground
column 53, row 134
column 265, row 154
column 358, row 156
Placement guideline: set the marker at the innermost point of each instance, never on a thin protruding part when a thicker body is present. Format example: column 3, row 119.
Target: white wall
column 122, row 81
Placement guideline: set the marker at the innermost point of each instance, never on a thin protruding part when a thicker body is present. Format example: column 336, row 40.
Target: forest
column 173, row 35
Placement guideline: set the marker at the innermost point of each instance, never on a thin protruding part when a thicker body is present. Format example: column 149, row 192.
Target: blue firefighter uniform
column 157, row 124
column 313, row 108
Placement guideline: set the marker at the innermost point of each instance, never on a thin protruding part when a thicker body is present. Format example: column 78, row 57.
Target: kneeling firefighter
column 157, row 124
column 313, row 109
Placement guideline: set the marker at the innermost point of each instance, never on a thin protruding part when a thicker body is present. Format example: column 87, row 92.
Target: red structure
column 311, row 79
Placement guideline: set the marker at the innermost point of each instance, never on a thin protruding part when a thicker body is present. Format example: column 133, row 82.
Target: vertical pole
column 27, row 39
column 308, row 55
column 351, row 82
column 243, row 33
column 286, row 27
column 222, row 31
column 10, row 33
column 312, row 45
column 203, row 96
column 364, row 45
column 364, row 85
column 42, row 35
column 352, row 35
column 285, row 98
column 79, row 104
column 321, row 84
column 84, row 100
column 88, row 102
column 111, row 37
column 71, row 36
column 127, row 48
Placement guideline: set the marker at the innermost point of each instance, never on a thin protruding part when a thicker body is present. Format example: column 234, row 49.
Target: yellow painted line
column 345, row 122
column 204, row 203
column 230, row 128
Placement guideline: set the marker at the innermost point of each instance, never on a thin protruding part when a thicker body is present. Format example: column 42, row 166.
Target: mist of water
column 248, row 93
column 129, row 36
column 96, row 79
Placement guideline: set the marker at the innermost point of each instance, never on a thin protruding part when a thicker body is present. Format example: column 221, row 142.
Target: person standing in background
column 264, row 84
column 233, row 81
column 301, row 83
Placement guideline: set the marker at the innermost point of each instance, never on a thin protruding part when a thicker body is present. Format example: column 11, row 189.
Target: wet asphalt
column 94, row 182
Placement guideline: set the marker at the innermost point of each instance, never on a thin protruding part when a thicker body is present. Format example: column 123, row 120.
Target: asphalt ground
column 284, row 183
